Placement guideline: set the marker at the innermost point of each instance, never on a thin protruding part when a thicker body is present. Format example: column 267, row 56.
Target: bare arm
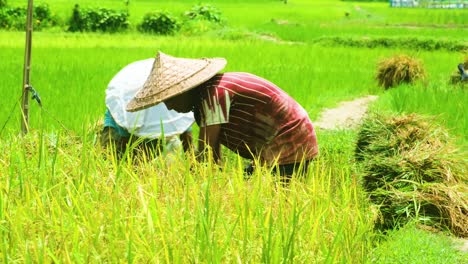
column 209, row 137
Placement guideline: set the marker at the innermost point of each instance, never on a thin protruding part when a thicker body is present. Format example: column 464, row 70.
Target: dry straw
column 413, row 171
column 400, row 69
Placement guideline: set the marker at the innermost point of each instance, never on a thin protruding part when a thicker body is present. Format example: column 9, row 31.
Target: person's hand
column 249, row 169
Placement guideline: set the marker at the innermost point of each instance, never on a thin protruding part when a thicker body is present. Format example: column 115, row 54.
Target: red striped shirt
column 257, row 118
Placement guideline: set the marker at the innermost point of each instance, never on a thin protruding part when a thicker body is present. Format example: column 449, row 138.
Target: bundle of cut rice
column 399, row 69
column 413, row 171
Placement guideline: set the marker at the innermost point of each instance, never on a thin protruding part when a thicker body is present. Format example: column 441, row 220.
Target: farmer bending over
column 144, row 129
column 249, row 115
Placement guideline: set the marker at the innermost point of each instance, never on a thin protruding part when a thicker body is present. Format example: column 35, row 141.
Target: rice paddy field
column 63, row 200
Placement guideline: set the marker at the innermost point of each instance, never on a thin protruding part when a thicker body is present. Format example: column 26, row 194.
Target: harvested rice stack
column 399, row 69
column 413, row 171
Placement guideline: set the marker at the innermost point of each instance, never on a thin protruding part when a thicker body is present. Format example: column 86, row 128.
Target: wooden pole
column 26, row 70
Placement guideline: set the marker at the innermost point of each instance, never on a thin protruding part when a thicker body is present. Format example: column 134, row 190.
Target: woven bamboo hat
column 172, row 76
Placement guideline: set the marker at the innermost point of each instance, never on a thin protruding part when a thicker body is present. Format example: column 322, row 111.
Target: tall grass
column 61, row 201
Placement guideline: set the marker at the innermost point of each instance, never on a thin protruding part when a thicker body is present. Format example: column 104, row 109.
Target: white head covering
column 145, row 123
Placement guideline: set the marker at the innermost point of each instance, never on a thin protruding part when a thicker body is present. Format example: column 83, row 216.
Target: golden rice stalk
column 412, row 170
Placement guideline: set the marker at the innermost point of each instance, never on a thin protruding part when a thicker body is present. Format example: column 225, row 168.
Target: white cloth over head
column 151, row 122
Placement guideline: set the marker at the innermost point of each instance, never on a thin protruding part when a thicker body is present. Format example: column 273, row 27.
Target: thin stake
column 26, row 71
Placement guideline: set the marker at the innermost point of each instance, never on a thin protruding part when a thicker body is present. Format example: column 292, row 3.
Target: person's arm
column 186, row 139
column 209, row 137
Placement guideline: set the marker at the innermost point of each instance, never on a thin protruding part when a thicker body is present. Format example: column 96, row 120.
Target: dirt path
column 348, row 114
column 462, row 244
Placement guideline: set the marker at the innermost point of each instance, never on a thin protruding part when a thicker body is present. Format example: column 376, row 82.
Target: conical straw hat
column 171, row 76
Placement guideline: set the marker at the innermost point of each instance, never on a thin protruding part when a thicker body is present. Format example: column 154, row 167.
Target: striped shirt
column 257, row 118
